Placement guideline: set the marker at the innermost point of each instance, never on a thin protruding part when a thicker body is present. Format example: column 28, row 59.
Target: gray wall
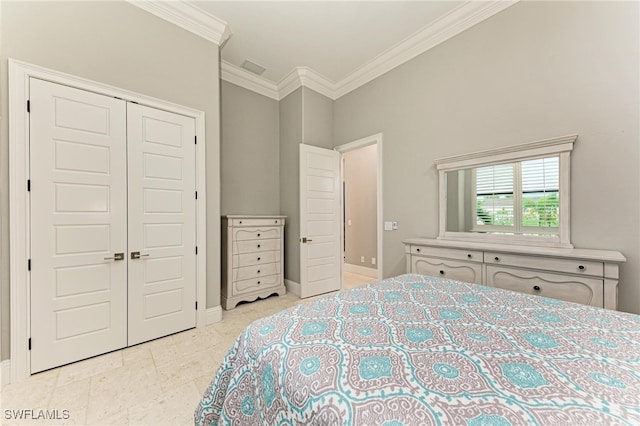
column 249, row 152
column 290, row 138
column 534, row 71
column 118, row 44
column 361, row 204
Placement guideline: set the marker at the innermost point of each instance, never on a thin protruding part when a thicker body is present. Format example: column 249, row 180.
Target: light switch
column 349, row 222
column 388, row 226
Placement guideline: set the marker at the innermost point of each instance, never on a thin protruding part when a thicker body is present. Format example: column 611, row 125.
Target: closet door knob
column 116, row 256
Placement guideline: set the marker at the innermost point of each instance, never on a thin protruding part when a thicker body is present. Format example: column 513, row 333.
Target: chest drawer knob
column 497, row 259
column 469, row 256
column 258, row 282
column 536, row 288
column 418, row 250
column 258, row 245
column 258, row 270
column 441, row 272
column 582, row 267
column 258, row 259
column 258, row 234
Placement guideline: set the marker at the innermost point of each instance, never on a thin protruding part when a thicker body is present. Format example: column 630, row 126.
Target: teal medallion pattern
column 421, row 350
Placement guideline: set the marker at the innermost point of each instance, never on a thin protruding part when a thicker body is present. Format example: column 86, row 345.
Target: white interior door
column 78, row 223
column 320, row 246
column 162, row 217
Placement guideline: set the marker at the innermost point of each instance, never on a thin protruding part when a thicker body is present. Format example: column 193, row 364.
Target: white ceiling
column 332, row 47
column 333, row 38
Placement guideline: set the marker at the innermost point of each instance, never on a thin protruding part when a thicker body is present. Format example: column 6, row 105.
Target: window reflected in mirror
column 518, row 198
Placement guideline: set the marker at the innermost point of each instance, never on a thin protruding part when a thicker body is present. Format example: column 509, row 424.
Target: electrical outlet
column 361, row 259
column 373, row 260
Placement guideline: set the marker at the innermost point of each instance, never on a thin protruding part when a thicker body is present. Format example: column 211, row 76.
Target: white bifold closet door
column 162, row 218
column 108, row 179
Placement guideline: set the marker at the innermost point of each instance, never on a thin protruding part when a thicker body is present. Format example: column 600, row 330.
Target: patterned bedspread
column 419, row 350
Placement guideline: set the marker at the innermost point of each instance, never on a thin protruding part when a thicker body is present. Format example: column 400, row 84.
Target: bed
column 422, row 350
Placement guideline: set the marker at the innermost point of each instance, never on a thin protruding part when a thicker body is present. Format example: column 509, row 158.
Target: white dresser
column 252, row 258
column 583, row 276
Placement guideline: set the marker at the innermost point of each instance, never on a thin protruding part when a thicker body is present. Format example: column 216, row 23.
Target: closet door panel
column 78, row 222
column 162, row 217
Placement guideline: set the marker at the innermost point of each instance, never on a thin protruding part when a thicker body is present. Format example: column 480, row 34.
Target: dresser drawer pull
column 240, row 222
column 441, row 272
column 258, row 282
column 536, row 288
column 582, row 267
column 497, row 259
column 418, row 250
column 258, row 245
column 258, row 235
column 276, row 221
column 258, row 270
column 469, row 256
column 258, row 259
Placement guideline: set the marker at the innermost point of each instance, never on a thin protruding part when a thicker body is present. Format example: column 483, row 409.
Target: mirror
column 519, row 198
column 517, row 194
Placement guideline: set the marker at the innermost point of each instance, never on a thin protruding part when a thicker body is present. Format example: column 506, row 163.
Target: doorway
column 78, row 201
column 361, row 165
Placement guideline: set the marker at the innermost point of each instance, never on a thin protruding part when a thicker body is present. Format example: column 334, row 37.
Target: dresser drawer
column 470, row 255
column 462, row 271
column 261, row 258
column 255, row 284
column 253, row 246
column 255, row 271
column 255, row 233
column 256, row 222
column 584, row 290
column 568, row 266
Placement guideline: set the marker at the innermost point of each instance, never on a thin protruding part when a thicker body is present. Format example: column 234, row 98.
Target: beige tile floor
column 155, row 383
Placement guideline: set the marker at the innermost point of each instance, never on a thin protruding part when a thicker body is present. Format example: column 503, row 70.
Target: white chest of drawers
column 589, row 277
column 252, row 258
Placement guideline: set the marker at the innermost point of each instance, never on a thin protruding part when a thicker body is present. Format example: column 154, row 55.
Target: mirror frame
column 561, row 146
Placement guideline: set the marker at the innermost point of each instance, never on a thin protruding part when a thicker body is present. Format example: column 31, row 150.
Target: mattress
column 422, row 350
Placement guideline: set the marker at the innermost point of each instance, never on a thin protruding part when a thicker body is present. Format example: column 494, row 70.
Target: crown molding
column 243, row 78
column 188, row 17
column 453, row 23
column 304, row 76
column 442, row 29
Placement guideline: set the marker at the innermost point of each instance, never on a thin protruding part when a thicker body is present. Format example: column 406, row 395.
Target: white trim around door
column 19, row 210
column 361, row 143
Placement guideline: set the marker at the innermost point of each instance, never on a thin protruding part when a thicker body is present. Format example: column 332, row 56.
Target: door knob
column 137, row 255
column 116, row 256
column 306, row 240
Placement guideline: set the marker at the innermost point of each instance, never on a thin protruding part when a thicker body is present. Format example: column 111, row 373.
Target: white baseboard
column 214, row 315
column 5, row 373
column 361, row 270
column 292, row 287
